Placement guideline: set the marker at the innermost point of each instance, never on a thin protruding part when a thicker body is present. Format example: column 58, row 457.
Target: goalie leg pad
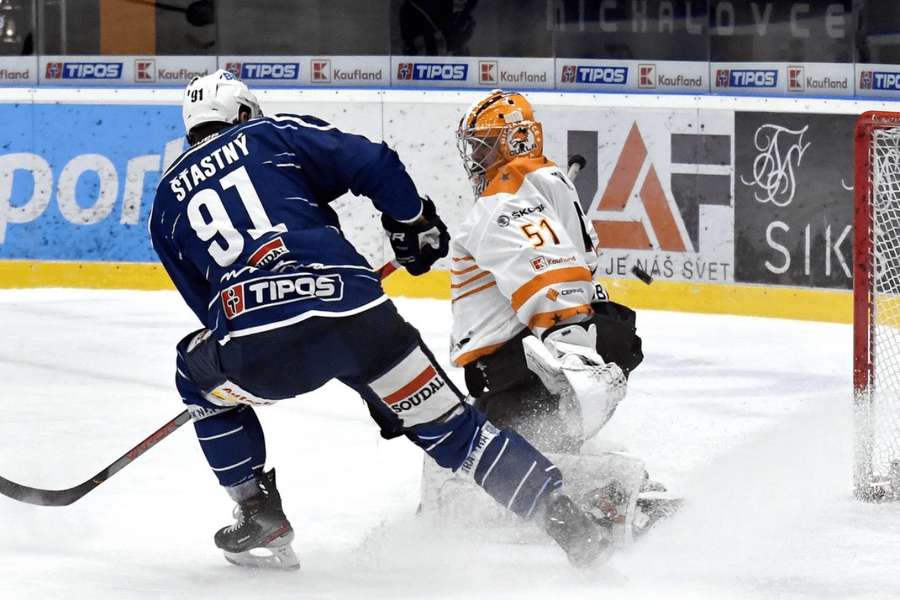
column 502, row 462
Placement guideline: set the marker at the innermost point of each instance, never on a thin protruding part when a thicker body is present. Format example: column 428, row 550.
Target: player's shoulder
column 298, row 121
column 511, row 176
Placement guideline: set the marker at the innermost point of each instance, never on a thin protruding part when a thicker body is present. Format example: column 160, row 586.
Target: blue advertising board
column 77, row 180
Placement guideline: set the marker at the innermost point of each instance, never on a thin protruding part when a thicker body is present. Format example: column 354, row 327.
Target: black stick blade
column 40, row 497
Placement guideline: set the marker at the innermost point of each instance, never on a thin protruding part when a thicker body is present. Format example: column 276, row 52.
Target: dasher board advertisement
column 793, row 190
column 661, row 194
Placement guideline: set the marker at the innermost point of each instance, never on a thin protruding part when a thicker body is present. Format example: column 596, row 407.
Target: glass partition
column 16, row 27
column 781, row 30
column 540, row 44
column 646, row 30
column 878, row 33
column 471, row 28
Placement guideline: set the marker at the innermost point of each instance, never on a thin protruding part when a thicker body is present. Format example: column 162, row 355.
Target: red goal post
column 876, row 307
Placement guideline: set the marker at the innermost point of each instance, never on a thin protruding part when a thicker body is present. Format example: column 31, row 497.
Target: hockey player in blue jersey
column 242, row 224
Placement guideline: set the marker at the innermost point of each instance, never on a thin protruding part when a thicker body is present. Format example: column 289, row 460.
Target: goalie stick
column 576, row 164
column 42, row 497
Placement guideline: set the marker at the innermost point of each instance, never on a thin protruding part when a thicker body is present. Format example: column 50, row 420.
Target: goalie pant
column 382, row 358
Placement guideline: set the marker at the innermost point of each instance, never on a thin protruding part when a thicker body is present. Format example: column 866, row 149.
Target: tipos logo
column 632, row 182
column 283, row 289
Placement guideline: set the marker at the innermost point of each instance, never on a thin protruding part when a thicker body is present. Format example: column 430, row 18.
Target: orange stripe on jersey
column 549, row 319
column 467, row 357
column 521, row 295
column 464, row 271
column 412, row 387
column 510, row 176
column 470, row 280
column 475, row 291
column 461, row 258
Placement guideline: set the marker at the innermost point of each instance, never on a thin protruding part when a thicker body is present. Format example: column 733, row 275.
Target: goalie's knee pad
column 502, row 462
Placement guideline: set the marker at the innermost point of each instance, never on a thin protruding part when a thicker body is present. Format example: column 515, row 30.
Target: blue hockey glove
column 418, row 245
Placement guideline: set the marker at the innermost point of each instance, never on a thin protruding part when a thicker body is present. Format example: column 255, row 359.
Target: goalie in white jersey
column 523, row 265
column 544, row 350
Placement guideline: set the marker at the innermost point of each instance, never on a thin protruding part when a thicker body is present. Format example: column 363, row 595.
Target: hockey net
column 876, row 306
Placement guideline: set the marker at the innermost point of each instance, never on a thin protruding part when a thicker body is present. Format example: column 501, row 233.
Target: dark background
column 718, row 30
column 820, row 201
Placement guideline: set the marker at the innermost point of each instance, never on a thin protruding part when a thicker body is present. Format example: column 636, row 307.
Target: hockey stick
column 41, row 497
column 576, row 163
column 31, row 495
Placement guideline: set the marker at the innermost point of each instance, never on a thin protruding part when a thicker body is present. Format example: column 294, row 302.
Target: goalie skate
column 612, row 487
column 652, row 507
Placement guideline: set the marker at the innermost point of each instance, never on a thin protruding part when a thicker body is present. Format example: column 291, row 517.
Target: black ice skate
column 575, row 531
column 261, row 535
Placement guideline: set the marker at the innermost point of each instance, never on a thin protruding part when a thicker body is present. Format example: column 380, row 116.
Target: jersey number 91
column 208, row 217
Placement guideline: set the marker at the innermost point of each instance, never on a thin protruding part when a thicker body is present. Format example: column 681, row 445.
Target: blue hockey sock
column 231, row 438
column 233, row 443
column 502, row 462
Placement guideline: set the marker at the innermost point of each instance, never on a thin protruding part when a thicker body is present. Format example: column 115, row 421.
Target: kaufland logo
column 597, row 74
column 83, row 70
column 795, row 79
column 145, row 71
column 263, row 70
column 647, row 76
column 746, row 78
column 432, row 71
column 13, row 75
column 320, row 70
column 487, row 72
column 879, row 80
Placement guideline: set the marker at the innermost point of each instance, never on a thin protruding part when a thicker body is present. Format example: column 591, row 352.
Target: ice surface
column 748, row 418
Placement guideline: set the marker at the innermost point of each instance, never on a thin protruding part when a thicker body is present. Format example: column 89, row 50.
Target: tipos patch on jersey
column 415, row 390
column 248, row 296
column 268, row 253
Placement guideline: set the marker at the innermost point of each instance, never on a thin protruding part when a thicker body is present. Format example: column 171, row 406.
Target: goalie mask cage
column 876, row 307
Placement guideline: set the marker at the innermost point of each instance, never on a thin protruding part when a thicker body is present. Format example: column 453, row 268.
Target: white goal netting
column 878, row 468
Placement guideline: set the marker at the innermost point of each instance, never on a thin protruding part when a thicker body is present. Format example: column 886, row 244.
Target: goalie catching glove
column 419, row 244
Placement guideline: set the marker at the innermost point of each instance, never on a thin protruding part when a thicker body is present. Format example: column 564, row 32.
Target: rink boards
column 733, row 205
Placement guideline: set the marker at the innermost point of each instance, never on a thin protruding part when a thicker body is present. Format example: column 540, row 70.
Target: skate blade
column 277, row 555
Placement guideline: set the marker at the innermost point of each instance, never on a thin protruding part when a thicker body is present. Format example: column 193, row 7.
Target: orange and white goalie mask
column 494, row 131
